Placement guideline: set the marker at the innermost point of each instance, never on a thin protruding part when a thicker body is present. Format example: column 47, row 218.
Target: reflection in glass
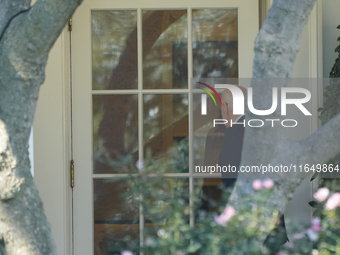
column 165, row 56
column 215, row 43
column 165, row 129
column 207, row 139
column 207, row 148
column 162, row 199
column 116, row 218
column 114, row 49
column 211, row 197
column 115, row 133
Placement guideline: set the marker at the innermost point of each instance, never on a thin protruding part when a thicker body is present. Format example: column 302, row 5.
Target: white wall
column 330, row 20
column 50, row 147
column 31, row 151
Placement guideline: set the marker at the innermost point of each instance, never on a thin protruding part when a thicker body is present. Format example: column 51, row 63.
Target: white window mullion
column 145, row 91
column 140, row 113
column 190, row 116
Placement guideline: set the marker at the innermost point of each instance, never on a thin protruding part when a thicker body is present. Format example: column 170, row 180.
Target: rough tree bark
column 275, row 51
column 24, row 49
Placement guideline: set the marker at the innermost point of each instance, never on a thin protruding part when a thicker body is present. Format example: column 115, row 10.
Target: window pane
column 215, row 43
column 165, row 47
column 115, row 133
column 166, row 129
column 208, row 140
column 211, row 198
column 161, row 200
column 114, row 49
column 116, row 218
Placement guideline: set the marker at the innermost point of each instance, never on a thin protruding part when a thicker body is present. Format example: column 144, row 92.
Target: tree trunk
column 275, row 51
column 24, row 47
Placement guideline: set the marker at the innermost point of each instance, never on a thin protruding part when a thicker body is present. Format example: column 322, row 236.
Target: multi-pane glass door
column 132, row 65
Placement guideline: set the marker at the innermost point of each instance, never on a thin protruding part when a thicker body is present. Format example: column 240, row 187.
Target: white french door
column 132, row 62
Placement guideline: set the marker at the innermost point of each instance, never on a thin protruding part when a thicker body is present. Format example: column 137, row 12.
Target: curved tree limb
column 275, row 52
column 9, row 9
column 24, row 50
column 323, row 145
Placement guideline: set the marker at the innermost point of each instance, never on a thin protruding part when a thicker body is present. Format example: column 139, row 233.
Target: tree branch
column 24, row 49
column 31, row 35
column 42, row 25
column 275, row 52
column 9, row 8
column 279, row 39
column 323, row 145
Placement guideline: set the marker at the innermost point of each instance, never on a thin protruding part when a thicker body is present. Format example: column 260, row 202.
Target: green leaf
column 193, row 248
column 313, row 204
column 320, row 109
column 337, row 110
column 314, row 176
column 323, row 118
column 337, row 158
column 337, row 49
column 329, row 102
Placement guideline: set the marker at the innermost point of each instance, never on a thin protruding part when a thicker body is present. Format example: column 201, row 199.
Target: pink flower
column 298, row 235
column 316, row 228
column 316, row 221
column 321, row 194
column 228, row 213
column 316, row 224
column 127, row 253
column 140, row 163
column 219, row 220
column 268, row 184
column 333, row 201
column 257, row 185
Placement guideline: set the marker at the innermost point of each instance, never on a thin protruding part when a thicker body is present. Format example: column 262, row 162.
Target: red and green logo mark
column 208, row 92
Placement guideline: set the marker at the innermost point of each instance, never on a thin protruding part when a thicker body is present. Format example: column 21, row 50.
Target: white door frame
column 51, row 143
column 52, row 129
column 82, row 84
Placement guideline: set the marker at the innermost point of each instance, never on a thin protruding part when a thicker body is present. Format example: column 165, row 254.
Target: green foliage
column 169, row 209
column 329, row 238
column 166, row 206
column 175, row 223
column 331, row 108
